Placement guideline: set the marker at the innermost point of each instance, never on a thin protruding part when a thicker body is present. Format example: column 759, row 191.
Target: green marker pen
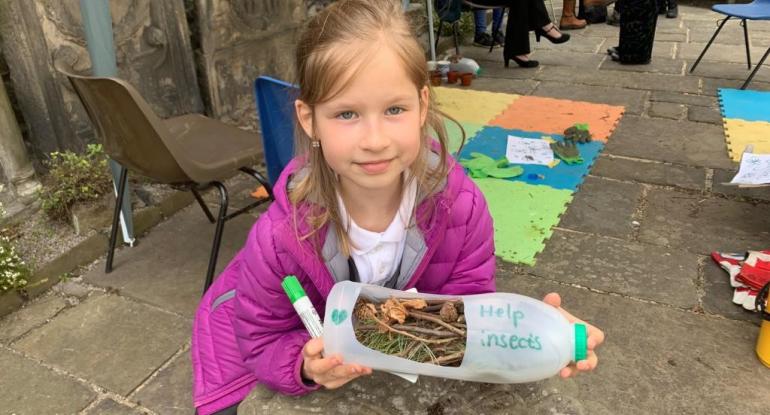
column 302, row 305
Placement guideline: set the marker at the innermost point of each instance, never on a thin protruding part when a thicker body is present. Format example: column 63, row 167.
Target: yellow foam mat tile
column 477, row 107
column 740, row 133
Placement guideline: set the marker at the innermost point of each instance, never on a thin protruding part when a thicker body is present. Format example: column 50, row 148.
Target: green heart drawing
column 338, row 316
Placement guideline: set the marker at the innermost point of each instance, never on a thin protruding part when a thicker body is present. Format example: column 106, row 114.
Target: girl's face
column 371, row 132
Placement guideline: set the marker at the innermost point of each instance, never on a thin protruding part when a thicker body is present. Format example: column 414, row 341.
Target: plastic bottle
column 511, row 338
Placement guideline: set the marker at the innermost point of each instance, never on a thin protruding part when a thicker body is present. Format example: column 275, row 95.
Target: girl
column 370, row 197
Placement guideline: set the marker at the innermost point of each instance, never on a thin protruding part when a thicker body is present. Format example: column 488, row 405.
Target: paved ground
column 630, row 254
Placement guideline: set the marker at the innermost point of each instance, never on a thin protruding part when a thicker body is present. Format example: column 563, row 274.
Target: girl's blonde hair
column 326, row 59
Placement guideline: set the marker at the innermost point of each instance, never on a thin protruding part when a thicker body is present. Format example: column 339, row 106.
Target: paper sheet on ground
column 754, row 170
column 528, row 151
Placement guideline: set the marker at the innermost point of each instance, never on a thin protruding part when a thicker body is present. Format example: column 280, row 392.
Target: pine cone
column 448, row 312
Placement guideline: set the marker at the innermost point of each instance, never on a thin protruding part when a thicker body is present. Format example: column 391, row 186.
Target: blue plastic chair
column 275, row 103
column 756, row 10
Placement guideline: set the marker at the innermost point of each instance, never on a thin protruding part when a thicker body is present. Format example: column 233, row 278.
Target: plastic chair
column 275, row 103
column 756, row 10
column 191, row 151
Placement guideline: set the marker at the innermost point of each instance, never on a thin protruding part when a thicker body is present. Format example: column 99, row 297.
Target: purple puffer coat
column 246, row 330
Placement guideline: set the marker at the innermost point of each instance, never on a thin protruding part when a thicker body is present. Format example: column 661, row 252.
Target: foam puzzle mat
column 527, row 207
column 746, row 119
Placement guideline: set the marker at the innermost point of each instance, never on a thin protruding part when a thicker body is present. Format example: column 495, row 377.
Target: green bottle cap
column 293, row 288
column 581, row 342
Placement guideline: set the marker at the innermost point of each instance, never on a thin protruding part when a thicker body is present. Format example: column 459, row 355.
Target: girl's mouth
column 375, row 167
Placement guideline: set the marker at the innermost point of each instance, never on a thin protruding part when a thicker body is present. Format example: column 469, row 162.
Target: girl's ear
column 424, row 102
column 304, row 116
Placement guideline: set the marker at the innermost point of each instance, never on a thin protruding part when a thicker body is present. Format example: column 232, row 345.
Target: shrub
column 74, row 178
column 14, row 273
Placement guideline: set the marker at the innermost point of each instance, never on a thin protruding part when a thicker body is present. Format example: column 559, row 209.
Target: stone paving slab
column 501, row 85
column 704, row 114
column 577, row 61
column 650, row 172
column 578, row 43
column 669, row 110
column 702, row 224
column 29, row 317
column 717, row 296
column 723, row 53
column 731, row 34
column 659, row 66
column 632, row 100
column 170, row 391
column 110, row 407
column 31, row 389
column 724, row 70
column 682, row 142
column 724, row 176
column 604, row 207
column 660, row 274
column 711, row 85
column 689, row 100
column 623, row 79
column 172, row 278
column 113, row 342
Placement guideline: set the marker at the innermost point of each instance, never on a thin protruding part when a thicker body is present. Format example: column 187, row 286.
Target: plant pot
column 435, row 78
column 466, row 79
column 452, row 77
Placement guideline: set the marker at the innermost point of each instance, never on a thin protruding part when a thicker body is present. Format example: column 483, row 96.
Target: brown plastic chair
column 190, row 151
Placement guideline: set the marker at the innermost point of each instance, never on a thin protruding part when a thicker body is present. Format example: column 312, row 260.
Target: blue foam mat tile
column 492, row 141
column 744, row 104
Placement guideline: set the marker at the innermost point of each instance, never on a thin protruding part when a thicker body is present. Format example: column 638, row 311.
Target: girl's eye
column 346, row 115
column 394, row 110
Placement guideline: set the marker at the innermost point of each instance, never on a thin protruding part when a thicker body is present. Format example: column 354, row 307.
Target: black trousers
column 637, row 30
column 523, row 16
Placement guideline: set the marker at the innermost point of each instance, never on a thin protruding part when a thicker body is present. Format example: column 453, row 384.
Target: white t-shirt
column 377, row 255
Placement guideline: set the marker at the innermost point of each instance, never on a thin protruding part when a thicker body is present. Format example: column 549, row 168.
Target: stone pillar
column 14, row 161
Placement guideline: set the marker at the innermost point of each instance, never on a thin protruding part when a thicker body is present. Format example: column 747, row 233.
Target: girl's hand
column 595, row 338
column 329, row 372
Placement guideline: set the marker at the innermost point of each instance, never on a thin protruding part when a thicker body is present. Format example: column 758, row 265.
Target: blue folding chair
column 756, row 10
column 275, row 103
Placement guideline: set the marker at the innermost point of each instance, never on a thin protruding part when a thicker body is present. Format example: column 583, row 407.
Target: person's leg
column 673, row 10
column 637, row 31
column 481, row 37
column 568, row 19
column 540, row 22
column 497, row 25
column 517, row 30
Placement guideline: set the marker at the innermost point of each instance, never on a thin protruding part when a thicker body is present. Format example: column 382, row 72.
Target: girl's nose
column 375, row 138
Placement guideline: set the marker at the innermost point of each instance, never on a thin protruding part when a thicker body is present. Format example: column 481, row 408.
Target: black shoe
column 544, row 33
column 672, row 12
column 612, row 50
column 499, row 38
column 523, row 63
column 483, row 39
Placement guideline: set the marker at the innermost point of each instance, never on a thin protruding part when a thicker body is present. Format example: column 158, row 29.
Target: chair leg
column 438, row 33
column 261, row 179
column 223, row 200
column 202, row 204
column 455, row 29
column 744, row 23
column 722, row 23
column 116, row 219
column 756, row 68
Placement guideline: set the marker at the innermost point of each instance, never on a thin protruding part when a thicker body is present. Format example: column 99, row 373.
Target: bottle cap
column 293, row 288
column 581, row 342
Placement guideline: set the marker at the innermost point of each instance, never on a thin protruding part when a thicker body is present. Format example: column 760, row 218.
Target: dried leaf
column 414, row 303
column 394, row 310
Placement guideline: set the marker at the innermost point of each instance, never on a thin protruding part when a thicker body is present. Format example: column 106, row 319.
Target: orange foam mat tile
column 553, row 116
column 477, row 107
